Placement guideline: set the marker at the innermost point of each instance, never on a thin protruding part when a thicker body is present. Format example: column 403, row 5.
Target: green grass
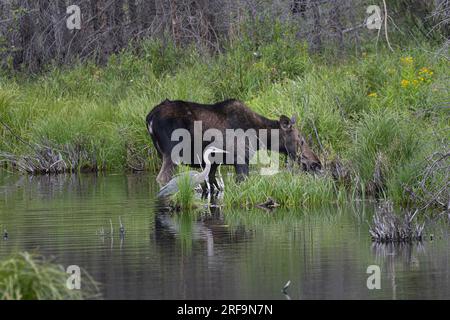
column 375, row 110
column 185, row 198
column 26, row 276
column 288, row 190
column 385, row 139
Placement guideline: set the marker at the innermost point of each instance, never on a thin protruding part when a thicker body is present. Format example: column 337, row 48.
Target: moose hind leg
column 166, row 172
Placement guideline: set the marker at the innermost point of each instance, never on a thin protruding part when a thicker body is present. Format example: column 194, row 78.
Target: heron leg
column 166, row 172
column 205, row 190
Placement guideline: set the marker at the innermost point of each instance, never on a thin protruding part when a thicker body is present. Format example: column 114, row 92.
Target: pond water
column 232, row 254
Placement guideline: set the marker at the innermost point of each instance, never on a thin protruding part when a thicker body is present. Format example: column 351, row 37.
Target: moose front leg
column 241, row 172
column 212, row 178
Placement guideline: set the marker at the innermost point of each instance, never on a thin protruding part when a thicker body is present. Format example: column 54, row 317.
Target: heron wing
column 190, row 173
column 172, row 186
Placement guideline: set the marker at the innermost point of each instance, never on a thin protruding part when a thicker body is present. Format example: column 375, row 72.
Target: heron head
column 213, row 149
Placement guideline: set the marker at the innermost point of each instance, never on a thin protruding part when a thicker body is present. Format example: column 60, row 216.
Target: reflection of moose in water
column 169, row 116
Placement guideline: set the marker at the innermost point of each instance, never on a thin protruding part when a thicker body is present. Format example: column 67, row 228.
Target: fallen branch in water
column 389, row 227
column 434, row 187
column 269, row 204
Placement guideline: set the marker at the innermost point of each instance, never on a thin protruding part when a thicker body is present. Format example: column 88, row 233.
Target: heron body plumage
column 195, row 178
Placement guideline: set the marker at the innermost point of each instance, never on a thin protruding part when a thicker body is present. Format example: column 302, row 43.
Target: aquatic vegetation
column 186, row 198
column 26, row 276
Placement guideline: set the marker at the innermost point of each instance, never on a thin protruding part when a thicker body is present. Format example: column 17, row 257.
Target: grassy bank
column 376, row 114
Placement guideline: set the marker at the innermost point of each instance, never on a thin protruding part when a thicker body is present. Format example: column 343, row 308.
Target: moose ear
column 294, row 119
column 285, row 123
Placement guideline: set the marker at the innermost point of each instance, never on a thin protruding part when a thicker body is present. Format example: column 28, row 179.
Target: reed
column 186, row 198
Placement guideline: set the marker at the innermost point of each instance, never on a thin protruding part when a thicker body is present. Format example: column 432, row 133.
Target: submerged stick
column 122, row 228
column 286, row 286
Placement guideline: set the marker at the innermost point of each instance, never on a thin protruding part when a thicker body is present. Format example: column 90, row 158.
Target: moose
column 169, row 116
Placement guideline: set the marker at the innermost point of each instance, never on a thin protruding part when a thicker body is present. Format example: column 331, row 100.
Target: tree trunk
column 117, row 25
column 26, row 27
column 133, row 14
column 316, row 44
column 148, row 12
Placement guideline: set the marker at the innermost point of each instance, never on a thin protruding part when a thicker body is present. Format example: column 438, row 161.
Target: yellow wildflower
column 372, row 94
column 405, row 83
column 415, row 82
column 425, row 72
column 406, row 60
column 97, row 74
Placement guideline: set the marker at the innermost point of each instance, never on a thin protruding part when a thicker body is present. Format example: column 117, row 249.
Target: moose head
column 294, row 145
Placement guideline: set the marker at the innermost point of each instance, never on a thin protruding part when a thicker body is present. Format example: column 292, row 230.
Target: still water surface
column 214, row 255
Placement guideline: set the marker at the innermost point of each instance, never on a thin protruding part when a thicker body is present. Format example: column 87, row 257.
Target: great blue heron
column 195, row 177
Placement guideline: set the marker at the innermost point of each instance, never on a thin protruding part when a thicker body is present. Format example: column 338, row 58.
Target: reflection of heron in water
column 195, row 178
column 210, row 229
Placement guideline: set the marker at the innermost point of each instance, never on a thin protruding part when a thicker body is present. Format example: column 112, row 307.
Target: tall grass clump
column 26, row 276
column 384, row 141
column 287, row 189
column 185, row 198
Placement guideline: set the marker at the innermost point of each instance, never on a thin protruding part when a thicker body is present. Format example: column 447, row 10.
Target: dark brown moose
column 230, row 114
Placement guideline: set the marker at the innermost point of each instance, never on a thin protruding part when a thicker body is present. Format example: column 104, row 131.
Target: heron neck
column 205, row 171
